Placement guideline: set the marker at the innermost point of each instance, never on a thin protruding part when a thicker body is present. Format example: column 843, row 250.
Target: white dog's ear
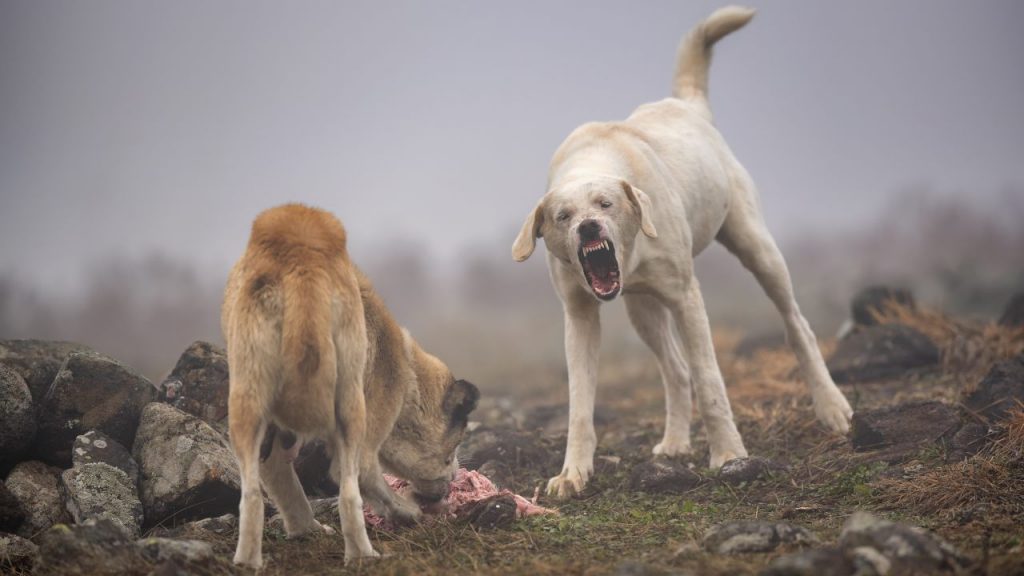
column 642, row 202
column 527, row 239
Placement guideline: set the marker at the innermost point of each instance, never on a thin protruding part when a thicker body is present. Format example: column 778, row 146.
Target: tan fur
column 694, row 58
column 313, row 350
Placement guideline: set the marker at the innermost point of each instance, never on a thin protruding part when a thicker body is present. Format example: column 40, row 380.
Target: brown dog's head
column 432, row 423
column 590, row 225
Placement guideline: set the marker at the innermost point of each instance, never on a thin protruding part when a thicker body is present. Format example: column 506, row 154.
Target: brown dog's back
column 295, row 279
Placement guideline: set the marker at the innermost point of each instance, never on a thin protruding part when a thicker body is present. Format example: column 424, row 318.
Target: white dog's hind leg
column 652, row 322
column 746, row 236
column 582, row 343
column 687, row 307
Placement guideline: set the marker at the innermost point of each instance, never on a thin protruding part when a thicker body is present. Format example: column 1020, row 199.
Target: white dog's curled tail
column 694, row 58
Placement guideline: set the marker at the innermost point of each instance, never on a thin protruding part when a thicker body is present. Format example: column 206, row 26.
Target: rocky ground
column 105, row 472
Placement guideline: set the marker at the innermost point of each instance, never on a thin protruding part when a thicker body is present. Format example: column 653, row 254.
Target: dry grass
column 993, row 478
column 967, row 349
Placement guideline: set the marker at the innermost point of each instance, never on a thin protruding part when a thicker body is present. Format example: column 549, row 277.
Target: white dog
column 629, row 204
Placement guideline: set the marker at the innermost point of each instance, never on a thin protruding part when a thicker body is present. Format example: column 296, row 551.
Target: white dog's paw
column 672, row 447
column 327, row 529
column 570, row 482
column 249, row 561
column 719, row 458
column 725, row 450
column 833, row 411
column 355, row 555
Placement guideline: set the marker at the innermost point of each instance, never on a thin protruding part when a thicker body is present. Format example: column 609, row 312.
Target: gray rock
column 95, row 446
column 100, row 491
column 747, row 469
column 904, row 547
column 880, row 352
column 903, row 429
column 198, row 384
column 97, row 548
column 1013, row 314
column 38, row 361
column 187, row 470
column 36, row 486
column 828, row 561
column 16, row 553
column 180, row 552
column 91, row 392
column 874, row 299
column 12, row 514
column 753, row 536
column 663, row 476
column 222, row 525
column 1000, row 390
column 868, row 561
column 17, row 417
column 101, row 548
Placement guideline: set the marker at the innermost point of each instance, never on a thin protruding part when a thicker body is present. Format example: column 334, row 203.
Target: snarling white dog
column 629, row 205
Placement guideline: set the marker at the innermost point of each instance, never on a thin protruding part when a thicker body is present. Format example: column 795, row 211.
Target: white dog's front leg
column 582, row 343
column 652, row 322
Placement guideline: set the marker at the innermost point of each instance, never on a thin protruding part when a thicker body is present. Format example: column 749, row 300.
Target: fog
column 138, row 141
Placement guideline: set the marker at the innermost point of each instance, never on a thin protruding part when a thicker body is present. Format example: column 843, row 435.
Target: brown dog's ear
column 527, row 239
column 459, row 401
column 642, row 202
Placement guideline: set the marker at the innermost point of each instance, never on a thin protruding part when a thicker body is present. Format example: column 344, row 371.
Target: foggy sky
column 134, row 127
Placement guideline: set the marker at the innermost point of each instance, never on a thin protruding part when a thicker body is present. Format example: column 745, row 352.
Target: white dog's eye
column 562, row 216
column 606, row 204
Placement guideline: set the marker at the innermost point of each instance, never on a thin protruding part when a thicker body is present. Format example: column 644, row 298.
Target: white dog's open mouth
column 600, row 268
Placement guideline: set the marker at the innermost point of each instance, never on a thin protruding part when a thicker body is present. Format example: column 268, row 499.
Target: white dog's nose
column 590, row 229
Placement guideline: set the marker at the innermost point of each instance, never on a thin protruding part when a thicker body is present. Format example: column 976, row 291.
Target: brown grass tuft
column 967, row 349
column 994, row 477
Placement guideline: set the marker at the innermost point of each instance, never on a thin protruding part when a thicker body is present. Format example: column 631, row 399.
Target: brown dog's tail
column 307, row 348
column 691, row 80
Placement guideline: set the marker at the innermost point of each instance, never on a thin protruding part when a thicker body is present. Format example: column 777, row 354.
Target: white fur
column 673, row 186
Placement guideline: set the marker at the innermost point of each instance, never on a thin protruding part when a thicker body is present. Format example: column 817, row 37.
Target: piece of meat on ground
column 468, row 488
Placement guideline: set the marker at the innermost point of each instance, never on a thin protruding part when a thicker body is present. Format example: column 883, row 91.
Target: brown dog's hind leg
column 351, row 430
column 285, row 490
column 247, row 426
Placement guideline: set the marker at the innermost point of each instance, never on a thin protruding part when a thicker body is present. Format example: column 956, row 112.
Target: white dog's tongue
column 602, row 280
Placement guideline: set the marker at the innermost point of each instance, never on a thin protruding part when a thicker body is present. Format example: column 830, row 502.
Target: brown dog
column 314, row 353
